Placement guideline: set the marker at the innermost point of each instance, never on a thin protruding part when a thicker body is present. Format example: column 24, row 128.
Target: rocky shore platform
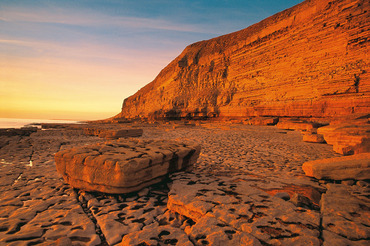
column 247, row 188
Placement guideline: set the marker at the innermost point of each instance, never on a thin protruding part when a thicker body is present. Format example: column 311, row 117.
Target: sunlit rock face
column 309, row 60
column 124, row 166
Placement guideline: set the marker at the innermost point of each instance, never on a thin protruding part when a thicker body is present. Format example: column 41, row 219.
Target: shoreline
column 16, row 123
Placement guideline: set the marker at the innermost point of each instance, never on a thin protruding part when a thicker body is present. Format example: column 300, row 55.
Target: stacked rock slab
column 347, row 139
column 124, row 166
column 339, row 168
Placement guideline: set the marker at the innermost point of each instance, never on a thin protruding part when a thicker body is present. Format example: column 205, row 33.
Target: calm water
column 17, row 123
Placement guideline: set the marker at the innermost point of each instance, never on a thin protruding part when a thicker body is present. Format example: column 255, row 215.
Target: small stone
column 300, row 200
column 131, row 199
column 283, row 195
column 313, row 138
column 348, row 182
column 143, row 192
column 93, row 202
column 64, row 241
column 362, row 183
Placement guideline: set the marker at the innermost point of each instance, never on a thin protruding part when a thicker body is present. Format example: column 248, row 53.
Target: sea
column 18, row 123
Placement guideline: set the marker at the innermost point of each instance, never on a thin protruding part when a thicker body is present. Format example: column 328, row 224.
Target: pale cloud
column 85, row 50
column 93, row 19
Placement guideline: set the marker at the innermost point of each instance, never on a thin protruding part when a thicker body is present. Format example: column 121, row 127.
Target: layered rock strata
column 124, row 166
column 309, row 60
column 303, row 126
column 347, row 139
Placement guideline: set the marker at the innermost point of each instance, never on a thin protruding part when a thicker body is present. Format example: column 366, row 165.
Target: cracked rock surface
column 124, row 166
column 247, row 188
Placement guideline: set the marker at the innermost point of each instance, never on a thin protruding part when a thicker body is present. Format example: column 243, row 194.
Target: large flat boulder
column 339, row 168
column 124, row 166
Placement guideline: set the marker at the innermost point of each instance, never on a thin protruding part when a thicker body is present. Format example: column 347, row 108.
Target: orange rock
column 307, row 191
column 347, row 139
column 124, row 166
column 262, row 121
column 310, row 60
column 112, row 133
column 339, row 168
column 313, row 138
column 298, row 125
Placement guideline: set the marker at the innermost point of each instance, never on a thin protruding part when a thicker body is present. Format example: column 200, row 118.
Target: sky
column 79, row 59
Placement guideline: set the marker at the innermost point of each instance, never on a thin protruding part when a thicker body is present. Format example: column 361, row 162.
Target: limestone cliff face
column 309, row 60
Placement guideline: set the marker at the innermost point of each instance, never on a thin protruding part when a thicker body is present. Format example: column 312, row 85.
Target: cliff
column 311, row 60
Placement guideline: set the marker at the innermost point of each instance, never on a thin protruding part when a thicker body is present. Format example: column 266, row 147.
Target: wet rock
column 124, row 166
column 339, row 168
column 64, row 126
column 24, row 131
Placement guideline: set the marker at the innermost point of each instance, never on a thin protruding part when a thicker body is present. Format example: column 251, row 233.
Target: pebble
column 348, row 182
column 283, row 195
column 362, row 183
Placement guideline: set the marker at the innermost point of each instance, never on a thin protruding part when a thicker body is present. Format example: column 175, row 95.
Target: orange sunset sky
column 79, row 59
